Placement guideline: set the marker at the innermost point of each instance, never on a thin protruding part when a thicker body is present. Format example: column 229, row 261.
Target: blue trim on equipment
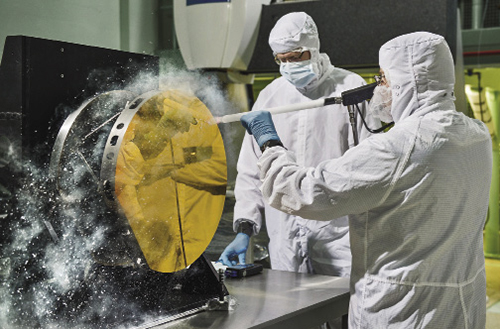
column 198, row 2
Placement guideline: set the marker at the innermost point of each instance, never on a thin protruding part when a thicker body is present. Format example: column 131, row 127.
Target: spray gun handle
column 358, row 95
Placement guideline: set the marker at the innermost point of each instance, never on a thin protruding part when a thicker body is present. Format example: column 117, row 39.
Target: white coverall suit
column 419, row 195
column 314, row 135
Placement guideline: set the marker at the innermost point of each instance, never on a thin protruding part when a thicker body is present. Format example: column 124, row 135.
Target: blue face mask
column 300, row 74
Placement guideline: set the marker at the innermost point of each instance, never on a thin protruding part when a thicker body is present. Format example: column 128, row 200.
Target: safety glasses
column 380, row 79
column 292, row 56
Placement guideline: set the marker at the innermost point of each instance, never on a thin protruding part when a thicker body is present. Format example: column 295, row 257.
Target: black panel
column 44, row 79
column 11, row 75
column 351, row 32
column 10, row 124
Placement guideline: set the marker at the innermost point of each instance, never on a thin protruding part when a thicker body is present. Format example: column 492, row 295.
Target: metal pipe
column 492, row 226
column 348, row 97
column 482, row 53
column 477, row 14
column 352, row 120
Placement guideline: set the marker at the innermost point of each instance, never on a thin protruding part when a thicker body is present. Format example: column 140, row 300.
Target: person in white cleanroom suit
column 314, row 135
column 417, row 196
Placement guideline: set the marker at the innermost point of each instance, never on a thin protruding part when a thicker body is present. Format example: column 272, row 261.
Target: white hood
column 296, row 30
column 420, row 70
column 292, row 31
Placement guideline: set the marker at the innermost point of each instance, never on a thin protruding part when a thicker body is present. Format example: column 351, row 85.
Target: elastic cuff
column 270, row 143
column 246, row 227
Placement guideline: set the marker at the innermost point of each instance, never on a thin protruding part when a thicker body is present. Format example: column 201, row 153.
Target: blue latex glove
column 238, row 248
column 260, row 124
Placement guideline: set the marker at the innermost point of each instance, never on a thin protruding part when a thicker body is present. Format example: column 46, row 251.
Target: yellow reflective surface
column 171, row 178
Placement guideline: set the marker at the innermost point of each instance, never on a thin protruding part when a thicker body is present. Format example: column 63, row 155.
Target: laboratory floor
column 493, row 293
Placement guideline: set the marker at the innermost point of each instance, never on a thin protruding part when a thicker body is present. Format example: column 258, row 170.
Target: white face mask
column 300, row 74
column 380, row 104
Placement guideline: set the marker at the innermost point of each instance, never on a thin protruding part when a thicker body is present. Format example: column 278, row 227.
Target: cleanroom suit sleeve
column 356, row 182
column 249, row 203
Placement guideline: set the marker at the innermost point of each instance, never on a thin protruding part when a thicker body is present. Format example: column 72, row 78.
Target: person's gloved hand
column 260, row 124
column 238, row 248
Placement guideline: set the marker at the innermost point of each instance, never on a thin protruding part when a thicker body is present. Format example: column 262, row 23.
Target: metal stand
column 352, row 120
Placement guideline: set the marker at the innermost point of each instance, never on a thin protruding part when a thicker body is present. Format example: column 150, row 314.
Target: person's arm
column 358, row 181
column 249, row 206
column 130, row 167
column 237, row 249
column 335, row 188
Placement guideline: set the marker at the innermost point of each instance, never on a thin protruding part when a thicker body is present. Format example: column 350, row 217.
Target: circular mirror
column 164, row 167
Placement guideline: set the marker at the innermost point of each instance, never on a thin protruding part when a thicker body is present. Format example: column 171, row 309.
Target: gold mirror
column 170, row 176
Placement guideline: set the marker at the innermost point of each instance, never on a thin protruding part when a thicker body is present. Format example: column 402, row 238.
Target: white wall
column 116, row 24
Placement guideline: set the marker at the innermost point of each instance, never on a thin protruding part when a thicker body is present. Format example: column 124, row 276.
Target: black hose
column 373, row 131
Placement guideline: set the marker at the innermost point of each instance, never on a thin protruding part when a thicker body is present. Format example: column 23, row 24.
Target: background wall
column 116, row 24
column 489, row 78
